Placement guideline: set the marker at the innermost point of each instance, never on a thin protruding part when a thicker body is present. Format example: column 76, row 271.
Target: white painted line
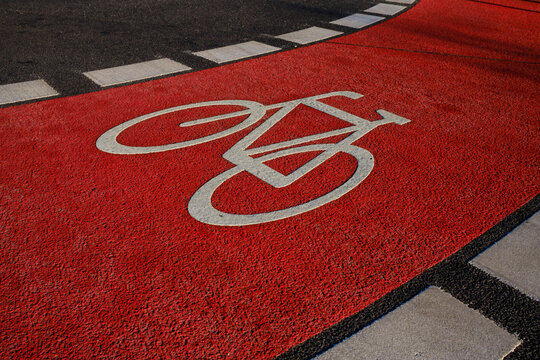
column 401, row 1
column 24, row 91
column 357, row 21
column 133, row 72
column 385, row 9
column 433, row 325
column 236, row 52
column 309, row 35
column 515, row 259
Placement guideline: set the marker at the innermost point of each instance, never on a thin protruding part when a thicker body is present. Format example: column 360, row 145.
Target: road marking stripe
column 236, row 52
column 133, row 72
column 309, row 35
column 433, row 325
column 24, row 91
column 357, row 21
column 515, row 259
column 38, row 89
column 385, row 9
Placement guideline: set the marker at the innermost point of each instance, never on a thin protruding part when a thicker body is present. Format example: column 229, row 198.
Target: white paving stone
column 357, row 21
column 309, row 35
column 133, row 72
column 515, row 259
column 24, row 91
column 402, row 1
column 236, row 52
column 433, row 325
column 385, row 9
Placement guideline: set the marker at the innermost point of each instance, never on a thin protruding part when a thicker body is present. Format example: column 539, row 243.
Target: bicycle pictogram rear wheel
column 108, row 141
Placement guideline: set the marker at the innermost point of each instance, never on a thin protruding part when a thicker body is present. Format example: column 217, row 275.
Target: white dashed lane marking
column 38, row 89
column 24, row 91
column 385, row 9
column 309, row 35
column 357, row 21
column 133, row 72
column 433, row 325
column 515, row 259
column 236, row 52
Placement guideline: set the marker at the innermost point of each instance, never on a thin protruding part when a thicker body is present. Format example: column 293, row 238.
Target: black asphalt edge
column 196, row 63
column 506, row 306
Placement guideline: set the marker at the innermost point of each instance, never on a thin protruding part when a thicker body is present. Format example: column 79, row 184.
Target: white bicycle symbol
column 200, row 205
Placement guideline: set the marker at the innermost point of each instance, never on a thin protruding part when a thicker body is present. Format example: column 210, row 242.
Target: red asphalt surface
column 101, row 259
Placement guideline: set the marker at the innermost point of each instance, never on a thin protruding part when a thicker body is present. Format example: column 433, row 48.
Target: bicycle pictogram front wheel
column 200, row 205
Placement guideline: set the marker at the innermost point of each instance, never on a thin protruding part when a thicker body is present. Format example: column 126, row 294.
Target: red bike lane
column 101, row 257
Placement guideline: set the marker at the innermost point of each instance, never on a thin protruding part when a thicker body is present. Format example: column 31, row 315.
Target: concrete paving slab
column 236, row 52
column 515, row 259
column 357, row 21
column 133, row 72
column 309, row 35
column 433, row 325
column 385, row 9
column 24, row 91
column 402, row 1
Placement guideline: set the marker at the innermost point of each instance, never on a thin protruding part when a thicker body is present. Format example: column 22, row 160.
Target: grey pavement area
column 515, row 259
column 432, row 325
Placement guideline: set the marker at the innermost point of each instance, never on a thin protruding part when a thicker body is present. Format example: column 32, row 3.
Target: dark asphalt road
column 59, row 40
